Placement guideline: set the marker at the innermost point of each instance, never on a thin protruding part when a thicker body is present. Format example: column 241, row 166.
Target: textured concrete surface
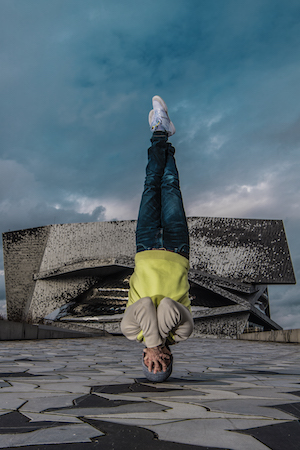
column 273, row 336
column 17, row 331
column 90, row 394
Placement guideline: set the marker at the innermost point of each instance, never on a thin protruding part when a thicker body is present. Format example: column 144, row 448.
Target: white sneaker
column 158, row 117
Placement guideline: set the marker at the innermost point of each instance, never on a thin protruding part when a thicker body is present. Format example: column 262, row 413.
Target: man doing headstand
column 158, row 311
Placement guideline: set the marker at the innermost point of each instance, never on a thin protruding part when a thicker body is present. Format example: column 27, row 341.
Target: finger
column 164, row 366
column 157, row 367
column 150, row 365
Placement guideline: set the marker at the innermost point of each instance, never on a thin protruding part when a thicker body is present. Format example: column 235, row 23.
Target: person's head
column 158, row 377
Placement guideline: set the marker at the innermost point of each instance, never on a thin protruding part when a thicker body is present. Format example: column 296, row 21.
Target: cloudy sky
column 76, row 81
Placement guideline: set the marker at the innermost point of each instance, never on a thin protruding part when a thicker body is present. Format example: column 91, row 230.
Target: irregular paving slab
column 257, row 407
column 290, row 408
column 277, row 437
column 65, row 387
column 92, row 401
column 222, row 394
column 176, row 410
column 130, row 388
column 45, row 403
column 138, row 408
column 55, row 435
column 268, row 392
column 36, row 417
column 15, row 422
column 15, row 386
column 211, row 432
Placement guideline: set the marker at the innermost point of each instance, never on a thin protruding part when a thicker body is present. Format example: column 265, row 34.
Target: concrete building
column 81, row 271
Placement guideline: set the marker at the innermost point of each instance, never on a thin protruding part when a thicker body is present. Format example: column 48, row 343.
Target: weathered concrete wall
column 46, row 267
column 273, row 336
column 53, row 293
column 229, row 325
column 77, row 246
column 39, row 263
column 23, row 252
column 250, row 250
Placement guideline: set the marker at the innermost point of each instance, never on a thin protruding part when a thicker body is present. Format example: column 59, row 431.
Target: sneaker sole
column 165, row 108
column 160, row 101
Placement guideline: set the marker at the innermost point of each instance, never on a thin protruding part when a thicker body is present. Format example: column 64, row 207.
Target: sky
column 76, row 82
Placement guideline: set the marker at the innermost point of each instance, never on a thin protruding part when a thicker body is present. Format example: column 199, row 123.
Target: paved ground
column 90, row 394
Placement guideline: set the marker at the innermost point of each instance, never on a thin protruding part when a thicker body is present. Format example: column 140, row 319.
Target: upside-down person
column 158, row 311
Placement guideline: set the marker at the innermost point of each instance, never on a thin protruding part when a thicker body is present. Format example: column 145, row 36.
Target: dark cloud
column 42, row 214
column 76, row 83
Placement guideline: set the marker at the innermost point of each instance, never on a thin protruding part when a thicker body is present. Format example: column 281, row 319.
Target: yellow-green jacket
column 159, row 274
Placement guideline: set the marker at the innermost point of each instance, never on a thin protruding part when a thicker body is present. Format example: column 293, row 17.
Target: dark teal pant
column 162, row 221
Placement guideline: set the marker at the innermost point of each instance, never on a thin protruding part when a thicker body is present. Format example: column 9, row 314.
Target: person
column 158, row 310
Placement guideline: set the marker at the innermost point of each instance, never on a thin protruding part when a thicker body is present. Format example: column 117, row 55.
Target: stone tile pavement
column 90, row 394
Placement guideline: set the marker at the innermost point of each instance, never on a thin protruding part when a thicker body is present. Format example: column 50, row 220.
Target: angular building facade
column 82, row 271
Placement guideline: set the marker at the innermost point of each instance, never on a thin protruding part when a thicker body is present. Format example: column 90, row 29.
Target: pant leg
column 173, row 316
column 142, row 316
column 149, row 228
column 173, row 218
